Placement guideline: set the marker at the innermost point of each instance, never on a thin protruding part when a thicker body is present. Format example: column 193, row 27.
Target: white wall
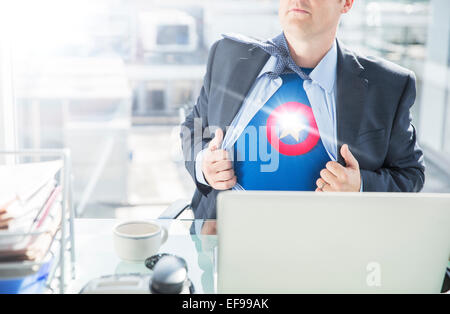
column 7, row 138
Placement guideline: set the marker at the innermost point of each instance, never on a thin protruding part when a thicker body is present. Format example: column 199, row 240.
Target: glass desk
column 193, row 240
column 96, row 257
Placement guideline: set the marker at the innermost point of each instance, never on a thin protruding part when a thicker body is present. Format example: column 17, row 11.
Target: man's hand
column 209, row 228
column 336, row 178
column 217, row 167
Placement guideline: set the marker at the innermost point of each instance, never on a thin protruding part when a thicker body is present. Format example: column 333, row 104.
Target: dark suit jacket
column 374, row 98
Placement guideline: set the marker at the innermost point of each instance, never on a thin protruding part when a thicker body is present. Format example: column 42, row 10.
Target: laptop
column 304, row 242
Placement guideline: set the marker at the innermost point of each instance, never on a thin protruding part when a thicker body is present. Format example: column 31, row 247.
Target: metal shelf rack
column 63, row 242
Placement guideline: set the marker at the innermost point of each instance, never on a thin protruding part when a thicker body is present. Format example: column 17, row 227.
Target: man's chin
column 298, row 29
column 299, row 20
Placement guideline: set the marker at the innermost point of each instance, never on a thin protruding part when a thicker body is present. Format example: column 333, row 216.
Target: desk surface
column 95, row 255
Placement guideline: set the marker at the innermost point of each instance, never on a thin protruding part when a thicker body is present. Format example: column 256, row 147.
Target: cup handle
column 165, row 234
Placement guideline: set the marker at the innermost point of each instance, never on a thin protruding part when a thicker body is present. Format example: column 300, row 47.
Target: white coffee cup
column 134, row 241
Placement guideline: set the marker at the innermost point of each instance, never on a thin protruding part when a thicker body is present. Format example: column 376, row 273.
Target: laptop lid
column 303, row 242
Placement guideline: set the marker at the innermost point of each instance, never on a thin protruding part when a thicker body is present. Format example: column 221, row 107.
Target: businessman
column 301, row 112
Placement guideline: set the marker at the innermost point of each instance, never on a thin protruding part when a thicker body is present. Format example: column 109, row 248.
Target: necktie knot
column 278, row 47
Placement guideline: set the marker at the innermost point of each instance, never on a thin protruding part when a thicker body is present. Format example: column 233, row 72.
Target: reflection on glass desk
column 193, row 240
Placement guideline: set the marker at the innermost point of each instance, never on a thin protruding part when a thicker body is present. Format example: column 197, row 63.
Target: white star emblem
column 291, row 124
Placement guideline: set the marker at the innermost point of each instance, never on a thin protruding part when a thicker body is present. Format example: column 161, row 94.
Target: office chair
column 175, row 209
column 446, row 284
column 179, row 206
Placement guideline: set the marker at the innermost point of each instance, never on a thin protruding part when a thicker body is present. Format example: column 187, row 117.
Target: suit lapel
column 240, row 81
column 351, row 94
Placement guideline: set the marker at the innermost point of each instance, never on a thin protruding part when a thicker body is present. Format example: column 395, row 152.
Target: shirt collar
column 269, row 67
column 323, row 74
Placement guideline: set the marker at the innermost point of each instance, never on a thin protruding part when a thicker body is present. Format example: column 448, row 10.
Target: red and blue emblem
column 292, row 129
column 286, row 152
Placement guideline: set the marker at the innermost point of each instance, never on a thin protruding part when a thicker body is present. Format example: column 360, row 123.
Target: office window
column 113, row 79
column 172, row 35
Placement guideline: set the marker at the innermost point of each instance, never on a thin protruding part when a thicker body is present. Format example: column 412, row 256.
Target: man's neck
column 308, row 53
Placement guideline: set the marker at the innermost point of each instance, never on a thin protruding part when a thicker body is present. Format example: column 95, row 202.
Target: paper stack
column 30, row 216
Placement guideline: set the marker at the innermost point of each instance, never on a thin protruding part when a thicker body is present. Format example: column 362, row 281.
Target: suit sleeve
column 403, row 169
column 194, row 126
